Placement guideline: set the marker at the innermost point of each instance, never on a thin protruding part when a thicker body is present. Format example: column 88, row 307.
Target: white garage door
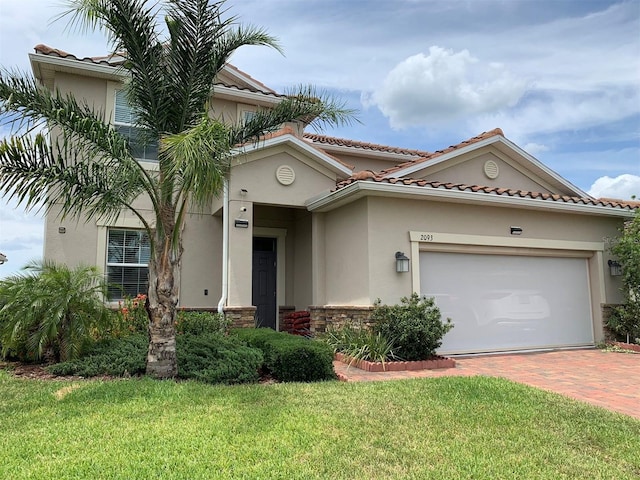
column 500, row 302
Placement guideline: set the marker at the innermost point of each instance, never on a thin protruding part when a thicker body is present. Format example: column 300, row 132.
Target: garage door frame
column 482, row 244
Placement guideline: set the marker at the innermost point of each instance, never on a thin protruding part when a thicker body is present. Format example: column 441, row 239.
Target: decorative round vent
column 491, row 169
column 285, row 175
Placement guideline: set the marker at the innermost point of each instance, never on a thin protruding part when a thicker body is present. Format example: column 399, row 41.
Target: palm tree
column 88, row 170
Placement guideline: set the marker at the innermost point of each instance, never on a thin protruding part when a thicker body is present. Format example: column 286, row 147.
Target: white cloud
column 535, row 148
column 443, row 86
column 622, row 187
column 21, row 237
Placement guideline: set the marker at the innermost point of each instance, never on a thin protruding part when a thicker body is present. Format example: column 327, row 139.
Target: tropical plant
column 51, row 310
column 625, row 320
column 360, row 343
column 89, row 172
column 415, row 325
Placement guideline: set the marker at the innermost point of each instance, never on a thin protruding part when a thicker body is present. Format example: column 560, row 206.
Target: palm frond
column 40, row 174
column 306, row 105
column 197, row 160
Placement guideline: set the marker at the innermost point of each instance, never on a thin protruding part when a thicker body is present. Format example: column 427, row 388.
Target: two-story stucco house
column 515, row 254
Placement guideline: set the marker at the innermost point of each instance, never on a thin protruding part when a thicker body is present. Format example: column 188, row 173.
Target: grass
column 449, row 427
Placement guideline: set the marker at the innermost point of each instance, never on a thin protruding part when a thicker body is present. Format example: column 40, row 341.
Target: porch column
column 240, row 252
column 318, row 260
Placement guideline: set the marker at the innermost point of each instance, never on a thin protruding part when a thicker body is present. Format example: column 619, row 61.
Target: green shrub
column 113, row 356
column 415, row 326
column 198, row 323
column 361, row 343
column 290, row 358
column 212, row 358
column 51, row 310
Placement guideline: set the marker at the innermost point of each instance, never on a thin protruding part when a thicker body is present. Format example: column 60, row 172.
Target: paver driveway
column 606, row 379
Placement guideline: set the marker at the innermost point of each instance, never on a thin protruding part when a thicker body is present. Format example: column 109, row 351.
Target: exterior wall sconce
column 516, row 230
column 402, row 262
column 615, row 269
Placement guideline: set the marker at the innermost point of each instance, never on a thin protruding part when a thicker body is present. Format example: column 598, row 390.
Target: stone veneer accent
column 339, row 315
column 241, row 317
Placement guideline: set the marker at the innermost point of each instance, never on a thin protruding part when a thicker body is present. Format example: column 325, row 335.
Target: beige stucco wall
column 396, row 217
column 347, row 255
column 469, row 169
column 257, row 174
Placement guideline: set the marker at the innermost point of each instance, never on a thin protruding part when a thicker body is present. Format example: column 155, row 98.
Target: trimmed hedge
column 209, row 358
column 212, row 358
column 290, row 358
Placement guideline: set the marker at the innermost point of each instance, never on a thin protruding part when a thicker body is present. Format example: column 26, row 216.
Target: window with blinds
column 124, row 121
column 128, row 253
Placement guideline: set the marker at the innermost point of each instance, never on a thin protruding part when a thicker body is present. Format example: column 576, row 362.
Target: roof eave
column 299, row 145
column 497, row 140
column 109, row 72
column 360, row 189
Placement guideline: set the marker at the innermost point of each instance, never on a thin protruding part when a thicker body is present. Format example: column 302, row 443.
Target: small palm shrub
column 415, row 326
column 50, row 310
column 361, row 344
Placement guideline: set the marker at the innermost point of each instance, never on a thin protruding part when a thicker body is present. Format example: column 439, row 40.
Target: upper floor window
column 124, row 121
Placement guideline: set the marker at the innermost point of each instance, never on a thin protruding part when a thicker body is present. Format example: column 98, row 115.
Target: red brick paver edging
column 607, row 379
column 431, row 364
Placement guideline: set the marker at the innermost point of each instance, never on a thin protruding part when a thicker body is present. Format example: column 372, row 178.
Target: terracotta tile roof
column 431, row 156
column 370, row 176
column 290, row 131
column 118, row 58
column 343, row 142
column 263, row 87
column 111, row 60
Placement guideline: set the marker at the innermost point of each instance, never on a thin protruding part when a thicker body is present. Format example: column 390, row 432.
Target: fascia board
column 359, row 189
column 298, row 145
column 222, row 91
column 99, row 70
column 530, row 158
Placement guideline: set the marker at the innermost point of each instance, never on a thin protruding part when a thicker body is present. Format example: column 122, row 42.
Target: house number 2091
column 426, row 237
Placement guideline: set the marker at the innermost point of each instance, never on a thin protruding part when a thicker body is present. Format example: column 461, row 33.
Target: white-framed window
column 128, row 253
column 124, row 122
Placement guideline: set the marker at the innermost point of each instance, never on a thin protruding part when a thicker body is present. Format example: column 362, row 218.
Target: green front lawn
column 442, row 428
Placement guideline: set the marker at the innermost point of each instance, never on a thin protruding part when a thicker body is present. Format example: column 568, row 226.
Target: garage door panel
column 501, row 302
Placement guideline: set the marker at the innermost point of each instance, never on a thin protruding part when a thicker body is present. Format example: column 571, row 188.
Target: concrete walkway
column 607, row 379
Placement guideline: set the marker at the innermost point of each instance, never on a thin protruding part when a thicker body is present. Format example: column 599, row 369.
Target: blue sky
column 561, row 78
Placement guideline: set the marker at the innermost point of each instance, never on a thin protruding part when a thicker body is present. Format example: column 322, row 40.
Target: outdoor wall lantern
column 402, row 262
column 516, row 230
column 615, row 269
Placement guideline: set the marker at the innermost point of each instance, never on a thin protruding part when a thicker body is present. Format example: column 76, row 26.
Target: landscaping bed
column 627, row 346
column 397, row 366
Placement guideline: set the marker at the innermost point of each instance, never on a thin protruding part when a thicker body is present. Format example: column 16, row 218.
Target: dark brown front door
column 264, row 281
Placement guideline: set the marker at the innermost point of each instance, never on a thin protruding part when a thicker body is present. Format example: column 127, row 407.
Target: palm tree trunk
column 162, row 301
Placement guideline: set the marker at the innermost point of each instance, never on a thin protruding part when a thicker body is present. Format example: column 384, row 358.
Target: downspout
column 225, row 247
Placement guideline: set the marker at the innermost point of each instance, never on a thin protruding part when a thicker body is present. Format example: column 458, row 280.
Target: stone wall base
column 283, row 311
column 326, row 316
column 241, row 317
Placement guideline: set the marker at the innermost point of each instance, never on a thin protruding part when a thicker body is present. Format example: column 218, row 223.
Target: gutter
column 225, row 248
